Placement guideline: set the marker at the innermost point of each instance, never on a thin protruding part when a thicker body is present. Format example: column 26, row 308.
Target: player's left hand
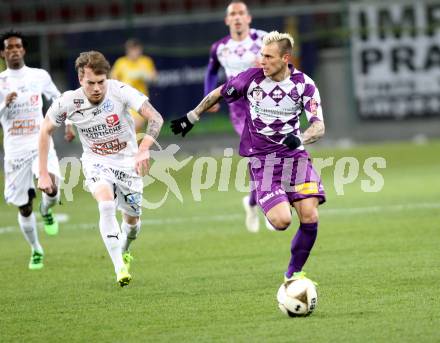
column 142, row 161
column 69, row 133
column 292, row 141
column 181, row 125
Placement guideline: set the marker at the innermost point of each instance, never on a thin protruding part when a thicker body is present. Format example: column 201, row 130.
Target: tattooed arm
column 155, row 122
column 184, row 124
column 314, row 132
column 207, row 102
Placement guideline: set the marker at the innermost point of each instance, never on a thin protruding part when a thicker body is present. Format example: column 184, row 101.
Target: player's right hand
column 45, row 183
column 10, row 98
column 181, row 125
column 142, row 161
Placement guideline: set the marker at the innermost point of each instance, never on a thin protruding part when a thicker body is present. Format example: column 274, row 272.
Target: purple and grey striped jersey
column 273, row 109
column 234, row 56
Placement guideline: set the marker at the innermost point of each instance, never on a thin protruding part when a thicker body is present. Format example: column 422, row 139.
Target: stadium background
column 199, row 276
column 178, row 34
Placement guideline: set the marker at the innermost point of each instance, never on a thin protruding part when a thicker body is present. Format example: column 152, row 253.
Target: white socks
column 110, row 232
column 130, row 234
column 28, row 226
column 48, row 201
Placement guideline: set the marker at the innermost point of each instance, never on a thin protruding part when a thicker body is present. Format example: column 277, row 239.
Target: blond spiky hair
column 283, row 40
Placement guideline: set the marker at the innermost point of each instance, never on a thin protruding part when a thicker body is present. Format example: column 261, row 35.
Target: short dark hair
column 93, row 60
column 11, row 33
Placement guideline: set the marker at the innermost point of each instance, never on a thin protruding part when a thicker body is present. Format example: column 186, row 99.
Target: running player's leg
column 275, row 206
column 130, row 203
column 49, row 200
column 251, row 214
column 306, row 196
column 280, row 215
column 28, row 226
column 131, row 226
column 304, row 239
column 251, row 208
column 271, row 196
column 108, row 224
column 20, row 191
column 101, row 183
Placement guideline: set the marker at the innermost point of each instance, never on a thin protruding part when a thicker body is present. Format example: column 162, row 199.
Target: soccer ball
column 297, row 298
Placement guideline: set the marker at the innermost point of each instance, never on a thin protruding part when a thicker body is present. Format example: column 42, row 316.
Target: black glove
column 181, row 125
column 292, row 141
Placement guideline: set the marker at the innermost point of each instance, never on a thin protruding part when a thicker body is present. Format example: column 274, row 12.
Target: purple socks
column 301, row 246
column 253, row 198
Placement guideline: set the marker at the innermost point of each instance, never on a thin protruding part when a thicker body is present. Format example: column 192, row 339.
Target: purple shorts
column 237, row 113
column 284, row 179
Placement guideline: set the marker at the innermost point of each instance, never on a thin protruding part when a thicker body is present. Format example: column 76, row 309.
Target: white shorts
column 20, row 172
column 126, row 184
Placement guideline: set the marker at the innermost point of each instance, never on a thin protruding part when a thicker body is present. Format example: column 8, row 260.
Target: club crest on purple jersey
column 294, row 94
column 258, row 93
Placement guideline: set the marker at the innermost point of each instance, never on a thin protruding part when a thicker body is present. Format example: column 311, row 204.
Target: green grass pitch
column 199, row 276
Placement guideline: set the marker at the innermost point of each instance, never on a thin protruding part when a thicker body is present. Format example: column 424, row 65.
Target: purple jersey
column 273, row 109
column 235, row 57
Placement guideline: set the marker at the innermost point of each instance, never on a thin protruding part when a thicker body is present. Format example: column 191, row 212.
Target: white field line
column 63, row 218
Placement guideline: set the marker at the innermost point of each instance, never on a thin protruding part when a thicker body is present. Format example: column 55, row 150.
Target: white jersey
column 22, row 118
column 237, row 56
column 106, row 130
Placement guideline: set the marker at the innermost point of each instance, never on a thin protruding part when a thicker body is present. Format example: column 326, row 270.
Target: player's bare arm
column 155, row 122
column 184, row 124
column 208, row 101
column 314, row 132
column 46, row 131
